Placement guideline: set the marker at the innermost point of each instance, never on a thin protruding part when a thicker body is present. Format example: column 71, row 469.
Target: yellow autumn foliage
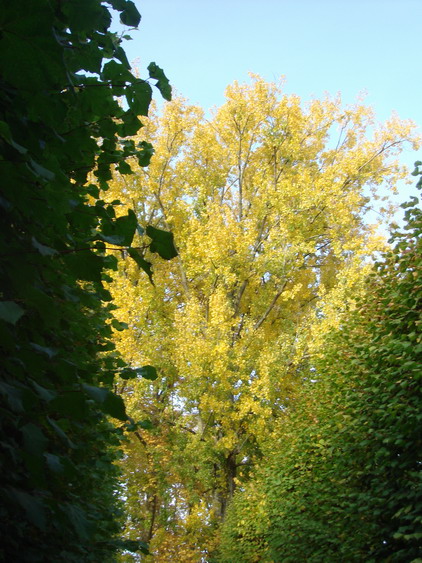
column 266, row 200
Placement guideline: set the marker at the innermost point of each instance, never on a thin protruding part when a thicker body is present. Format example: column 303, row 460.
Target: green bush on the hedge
column 344, row 482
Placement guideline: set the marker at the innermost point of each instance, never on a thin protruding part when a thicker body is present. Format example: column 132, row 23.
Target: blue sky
column 347, row 46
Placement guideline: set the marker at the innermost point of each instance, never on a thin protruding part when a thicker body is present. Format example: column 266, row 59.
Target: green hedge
column 344, row 482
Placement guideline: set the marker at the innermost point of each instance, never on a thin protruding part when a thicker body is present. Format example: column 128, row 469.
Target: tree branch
column 271, row 306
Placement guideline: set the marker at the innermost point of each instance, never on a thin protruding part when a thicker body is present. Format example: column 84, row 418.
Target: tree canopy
column 266, row 201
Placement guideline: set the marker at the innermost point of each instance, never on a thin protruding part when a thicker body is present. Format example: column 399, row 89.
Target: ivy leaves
column 61, row 120
column 121, row 231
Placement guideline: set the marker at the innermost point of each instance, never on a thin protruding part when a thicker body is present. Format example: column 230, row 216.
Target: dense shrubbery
column 60, row 119
column 345, row 480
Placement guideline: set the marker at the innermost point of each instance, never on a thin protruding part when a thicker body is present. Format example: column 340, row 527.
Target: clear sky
column 347, row 46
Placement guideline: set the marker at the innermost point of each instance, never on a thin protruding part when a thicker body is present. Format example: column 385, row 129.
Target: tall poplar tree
column 266, row 201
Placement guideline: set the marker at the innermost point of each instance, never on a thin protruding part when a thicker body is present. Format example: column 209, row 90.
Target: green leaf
column 98, row 394
column 54, row 463
column 5, row 131
column 60, row 432
column 108, row 402
column 120, row 54
column 115, row 406
column 50, row 352
column 120, row 231
column 128, row 373
column 33, row 507
column 162, row 242
column 116, row 73
column 34, row 440
column 124, row 167
column 46, row 394
column 78, row 519
column 13, row 396
column 131, row 545
column 41, row 171
column 130, row 15
column 147, row 372
column 10, row 312
column 85, row 265
column 139, row 96
column 44, row 250
column 163, row 83
column 130, row 124
column 71, row 404
column 85, row 15
column 138, row 256
column 118, row 4
column 144, row 154
column 119, row 325
column 145, row 424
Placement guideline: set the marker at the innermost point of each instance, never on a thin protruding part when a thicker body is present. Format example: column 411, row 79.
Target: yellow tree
column 266, row 201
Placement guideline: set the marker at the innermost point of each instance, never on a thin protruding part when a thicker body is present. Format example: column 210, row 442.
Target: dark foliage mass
column 62, row 73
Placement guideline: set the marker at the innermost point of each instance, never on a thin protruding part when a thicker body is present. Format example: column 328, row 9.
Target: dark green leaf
column 78, row 519
column 54, row 463
column 118, row 325
column 13, row 396
column 145, row 424
column 124, row 167
column 115, row 406
column 147, row 372
column 138, row 256
column 60, row 432
column 130, row 124
column 34, row 439
column 120, row 54
column 45, row 394
column 139, row 97
column 98, row 394
column 71, row 404
column 85, row 15
column 128, row 373
column 117, row 73
column 162, row 242
column 163, row 83
column 131, row 546
column 44, row 250
column 50, row 352
column 120, row 231
column 33, row 507
column 40, row 170
column 10, row 312
column 144, row 153
column 108, row 402
column 130, row 15
column 85, row 265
